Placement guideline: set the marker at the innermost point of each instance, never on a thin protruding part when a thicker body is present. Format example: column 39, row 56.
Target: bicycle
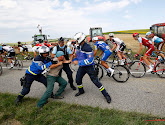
column 138, row 68
column 121, row 73
column 128, row 57
column 16, row 62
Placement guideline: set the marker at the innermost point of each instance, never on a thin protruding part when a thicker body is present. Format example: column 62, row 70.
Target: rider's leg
column 106, row 54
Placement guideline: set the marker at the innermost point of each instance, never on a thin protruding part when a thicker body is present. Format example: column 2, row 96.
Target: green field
column 140, row 31
column 60, row 113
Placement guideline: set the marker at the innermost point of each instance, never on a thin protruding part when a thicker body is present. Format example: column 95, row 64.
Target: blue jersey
column 85, row 55
column 101, row 45
column 39, row 64
column 156, row 39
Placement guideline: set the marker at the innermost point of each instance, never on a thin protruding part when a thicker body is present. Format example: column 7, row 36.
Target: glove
column 136, row 55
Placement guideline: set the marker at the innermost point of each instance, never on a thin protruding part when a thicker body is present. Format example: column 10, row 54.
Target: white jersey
column 117, row 41
column 35, row 48
column 8, row 49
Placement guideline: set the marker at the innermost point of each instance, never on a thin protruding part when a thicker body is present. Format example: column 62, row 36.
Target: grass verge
column 60, row 113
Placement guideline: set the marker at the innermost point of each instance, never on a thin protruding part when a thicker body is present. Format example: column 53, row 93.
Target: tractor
column 96, row 32
column 158, row 30
column 39, row 38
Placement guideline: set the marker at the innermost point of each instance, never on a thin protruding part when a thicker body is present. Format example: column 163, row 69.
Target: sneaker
column 150, row 70
column 18, row 101
column 110, row 74
column 58, row 97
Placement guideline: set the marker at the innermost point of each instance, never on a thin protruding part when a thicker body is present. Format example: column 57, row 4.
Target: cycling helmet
column 148, row 33
column 43, row 50
column 3, row 44
column 95, row 38
column 111, row 34
column 79, row 37
column 61, row 39
column 135, row 34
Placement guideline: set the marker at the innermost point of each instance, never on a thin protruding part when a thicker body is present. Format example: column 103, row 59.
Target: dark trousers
column 92, row 74
column 29, row 80
column 68, row 72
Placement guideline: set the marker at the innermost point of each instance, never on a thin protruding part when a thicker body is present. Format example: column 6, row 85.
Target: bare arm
column 114, row 47
column 56, row 65
column 94, row 54
column 140, row 49
column 101, row 53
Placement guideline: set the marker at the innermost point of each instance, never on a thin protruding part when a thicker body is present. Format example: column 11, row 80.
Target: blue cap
column 59, row 53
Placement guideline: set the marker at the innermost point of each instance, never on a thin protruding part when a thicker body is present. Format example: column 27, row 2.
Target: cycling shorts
column 10, row 54
column 106, row 54
column 160, row 45
column 120, row 47
column 150, row 50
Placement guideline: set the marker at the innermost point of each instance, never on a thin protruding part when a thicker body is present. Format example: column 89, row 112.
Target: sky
column 64, row 18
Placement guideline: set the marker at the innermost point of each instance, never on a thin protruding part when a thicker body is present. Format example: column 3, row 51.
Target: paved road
column 145, row 95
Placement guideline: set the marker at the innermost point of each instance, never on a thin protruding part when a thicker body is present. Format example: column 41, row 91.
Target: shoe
column 52, row 96
column 58, row 97
column 18, row 101
column 108, row 98
column 79, row 93
column 73, row 87
column 11, row 65
column 150, row 70
column 112, row 71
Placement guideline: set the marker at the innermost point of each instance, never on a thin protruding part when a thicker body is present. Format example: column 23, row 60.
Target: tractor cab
column 39, row 39
column 158, row 30
column 96, row 32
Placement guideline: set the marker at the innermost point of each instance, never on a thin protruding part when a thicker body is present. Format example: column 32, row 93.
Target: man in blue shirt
column 85, row 60
column 105, row 50
column 34, row 72
column 68, row 56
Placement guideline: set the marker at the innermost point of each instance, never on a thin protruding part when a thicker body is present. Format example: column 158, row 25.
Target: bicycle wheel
column 1, row 70
column 160, row 70
column 121, row 73
column 129, row 60
column 73, row 67
column 19, row 64
column 99, row 71
column 137, row 69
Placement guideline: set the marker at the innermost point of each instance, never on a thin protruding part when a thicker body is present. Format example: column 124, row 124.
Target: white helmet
column 43, row 49
column 80, row 37
column 111, row 35
column 95, row 38
column 148, row 33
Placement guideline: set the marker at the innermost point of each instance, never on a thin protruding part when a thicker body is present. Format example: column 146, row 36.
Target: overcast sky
column 19, row 18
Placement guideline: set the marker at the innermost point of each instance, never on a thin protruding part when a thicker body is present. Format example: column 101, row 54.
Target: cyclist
column 85, row 60
column 1, row 52
column 119, row 45
column 147, row 43
column 10, row 51
column 34, row 72
column 158, row 42
column 105, row 50
column 22, row 48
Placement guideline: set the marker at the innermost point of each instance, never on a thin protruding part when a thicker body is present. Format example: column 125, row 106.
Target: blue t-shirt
column 69, row 51
column 102, row 45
